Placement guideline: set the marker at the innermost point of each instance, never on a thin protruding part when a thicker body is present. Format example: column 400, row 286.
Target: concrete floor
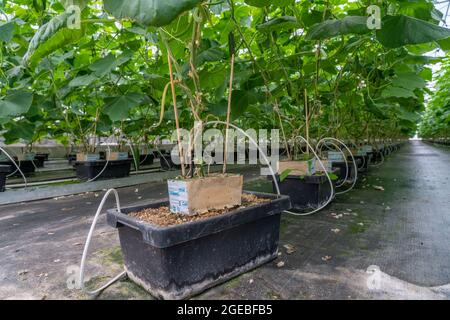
column 368, row 244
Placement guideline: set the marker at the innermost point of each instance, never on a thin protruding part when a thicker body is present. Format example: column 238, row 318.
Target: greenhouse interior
column 224, row 150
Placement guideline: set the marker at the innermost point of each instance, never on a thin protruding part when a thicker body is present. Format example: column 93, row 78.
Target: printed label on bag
column 178, row 196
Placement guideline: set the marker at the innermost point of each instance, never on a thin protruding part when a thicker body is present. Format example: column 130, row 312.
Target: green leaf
column 285, row 174
column 6, row 31
column 21, row 130
column 149, row 12
column 107, row 64
column 50, row 37
column 398, row 31
column 409, row 81
column 333, row 28
column 332, row 176
column 117, row 108
column 279, row 23
column 15, row 103
column 84, row 80
column 265, row 3
column 209, row 55
column 444, row 44
column 241, row 100
column 398, row 93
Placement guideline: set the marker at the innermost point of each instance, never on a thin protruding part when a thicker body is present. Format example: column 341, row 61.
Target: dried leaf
column 280, row 264
column 290, row 249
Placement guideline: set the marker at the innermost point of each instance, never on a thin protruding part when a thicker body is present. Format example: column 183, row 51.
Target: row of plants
column 111, row 77
column 435, row 123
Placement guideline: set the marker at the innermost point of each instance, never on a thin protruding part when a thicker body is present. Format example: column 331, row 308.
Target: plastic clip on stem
column 88, row 242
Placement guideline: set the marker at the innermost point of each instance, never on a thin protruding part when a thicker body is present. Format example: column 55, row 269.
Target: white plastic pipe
column 354, row 164
column 88, row 242
column 343, row 157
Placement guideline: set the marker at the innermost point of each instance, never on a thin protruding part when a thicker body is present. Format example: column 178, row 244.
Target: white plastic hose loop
column 329, row 180
column 17, row 166
column 88, row 242
column 380, row 163
column 354, row 164
column 106, row 165
column 343, row 156
column 261, row 152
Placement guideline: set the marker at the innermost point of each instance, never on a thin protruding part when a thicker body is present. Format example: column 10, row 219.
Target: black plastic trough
column 26, row 166
column 180, row 261
column 308, row 192
column 87, row 170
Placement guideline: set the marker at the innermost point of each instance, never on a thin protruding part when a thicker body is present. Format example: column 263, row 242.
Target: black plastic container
column 39, row 160
column 167, row 163
column 4, row 171
column 44, row 155
column 363, row 162
column 146, row 159
column 87, row 170
column 378, row 156
column 72, row 159
column 180, row 261
column 308, row 192
column 342, row 169
column 26, row 166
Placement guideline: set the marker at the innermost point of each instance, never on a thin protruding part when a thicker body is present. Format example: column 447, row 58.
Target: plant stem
column 230, row 93
column 175, row 110
column 307, row 120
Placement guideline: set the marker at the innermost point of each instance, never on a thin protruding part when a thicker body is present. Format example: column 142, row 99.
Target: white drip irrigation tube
column 162, row 156
column 88, row 242
column 353, row 159
column 134, row 157
column 17, row 166
column 255, row 144
column 329, row 181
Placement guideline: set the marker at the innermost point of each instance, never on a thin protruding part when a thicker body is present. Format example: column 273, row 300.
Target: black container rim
column 163, row 237
column 101, row 162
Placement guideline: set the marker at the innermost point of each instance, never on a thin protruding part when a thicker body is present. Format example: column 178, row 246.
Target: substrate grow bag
column 179, row 261
column 87, row 170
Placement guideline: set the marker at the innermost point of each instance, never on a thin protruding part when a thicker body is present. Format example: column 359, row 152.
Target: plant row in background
column 296, row 63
